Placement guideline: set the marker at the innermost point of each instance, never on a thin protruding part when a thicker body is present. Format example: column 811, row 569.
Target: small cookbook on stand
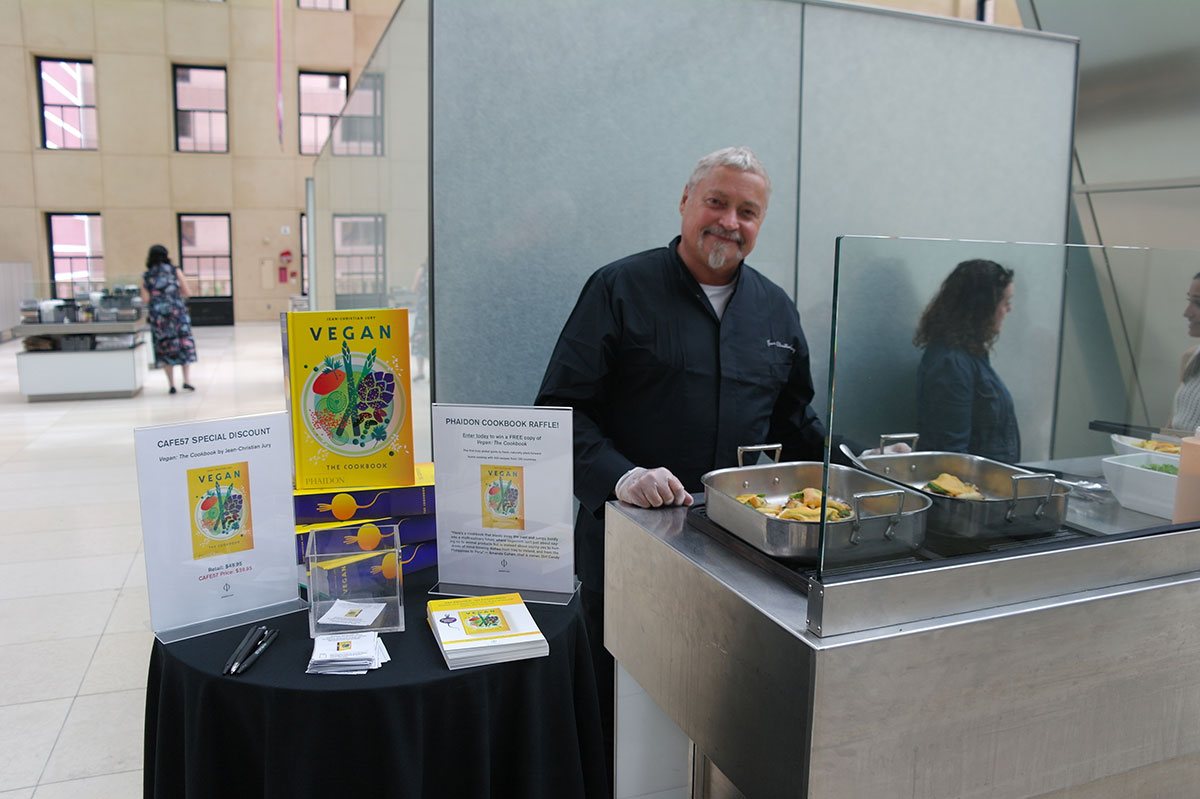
column 474, row 631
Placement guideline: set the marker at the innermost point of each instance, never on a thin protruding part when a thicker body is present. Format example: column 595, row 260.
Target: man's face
column 721, row 216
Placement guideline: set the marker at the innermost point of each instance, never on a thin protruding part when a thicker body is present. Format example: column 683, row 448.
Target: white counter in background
column 84, row 374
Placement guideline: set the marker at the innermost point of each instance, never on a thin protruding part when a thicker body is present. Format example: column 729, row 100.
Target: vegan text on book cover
column 349, row 397
column 219, row 507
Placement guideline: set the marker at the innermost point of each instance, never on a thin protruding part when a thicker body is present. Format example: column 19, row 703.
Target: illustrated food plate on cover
column 355, row 413
column 219, row 512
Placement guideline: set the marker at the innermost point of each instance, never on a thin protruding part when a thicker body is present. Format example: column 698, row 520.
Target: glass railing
column 371, row 187
column 1016, row 374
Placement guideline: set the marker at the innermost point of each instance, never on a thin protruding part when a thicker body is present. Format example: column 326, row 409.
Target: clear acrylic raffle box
column 351, row 589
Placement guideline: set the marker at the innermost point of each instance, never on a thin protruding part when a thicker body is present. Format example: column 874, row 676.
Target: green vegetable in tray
column 1165, row 468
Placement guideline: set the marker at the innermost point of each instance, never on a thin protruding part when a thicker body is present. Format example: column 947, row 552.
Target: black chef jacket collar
column 693, row 284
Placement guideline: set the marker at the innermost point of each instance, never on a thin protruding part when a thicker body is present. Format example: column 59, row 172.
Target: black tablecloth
column 412, row 728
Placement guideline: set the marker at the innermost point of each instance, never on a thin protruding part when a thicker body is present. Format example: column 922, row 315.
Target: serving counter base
column 1038, row 694
column 84, row 374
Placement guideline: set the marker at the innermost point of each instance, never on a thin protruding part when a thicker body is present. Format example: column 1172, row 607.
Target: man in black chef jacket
column 671, row 359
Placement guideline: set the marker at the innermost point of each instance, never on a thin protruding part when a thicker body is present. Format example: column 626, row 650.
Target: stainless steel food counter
column 1019, row 675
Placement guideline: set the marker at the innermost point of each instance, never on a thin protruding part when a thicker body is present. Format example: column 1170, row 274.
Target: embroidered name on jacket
column 782, row 345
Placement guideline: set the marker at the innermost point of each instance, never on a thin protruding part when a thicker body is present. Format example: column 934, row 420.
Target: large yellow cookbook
column 349, row 397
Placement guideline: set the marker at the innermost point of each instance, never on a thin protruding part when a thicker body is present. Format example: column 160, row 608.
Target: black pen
column 252, row 636
column 243, row 652
column 253, row 656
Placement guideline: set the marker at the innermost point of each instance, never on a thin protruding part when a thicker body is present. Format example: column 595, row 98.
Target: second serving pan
column 1017, row 502
column 888, row 520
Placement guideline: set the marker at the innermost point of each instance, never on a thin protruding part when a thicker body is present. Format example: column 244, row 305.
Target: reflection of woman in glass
column 1186, row 414
column 962, row 405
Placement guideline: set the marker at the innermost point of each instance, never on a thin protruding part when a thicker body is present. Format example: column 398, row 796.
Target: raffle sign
column 504, row 485
column 217, row 522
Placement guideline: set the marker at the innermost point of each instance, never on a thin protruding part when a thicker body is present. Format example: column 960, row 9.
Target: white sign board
column 504, row 485
column 217, row 522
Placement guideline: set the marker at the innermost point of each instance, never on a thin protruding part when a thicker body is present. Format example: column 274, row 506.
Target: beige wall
column 136, row 180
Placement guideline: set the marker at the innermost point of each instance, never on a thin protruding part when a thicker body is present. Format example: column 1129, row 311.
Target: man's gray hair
column 742, row 158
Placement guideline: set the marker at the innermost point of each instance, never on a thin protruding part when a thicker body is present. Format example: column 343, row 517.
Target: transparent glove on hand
column 651, row 488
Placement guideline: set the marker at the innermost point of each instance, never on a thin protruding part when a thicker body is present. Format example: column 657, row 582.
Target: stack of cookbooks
column 486, row 629
column 348, row 653
column 370, row 518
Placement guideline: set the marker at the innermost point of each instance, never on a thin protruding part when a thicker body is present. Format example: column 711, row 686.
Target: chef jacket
column 656, row 379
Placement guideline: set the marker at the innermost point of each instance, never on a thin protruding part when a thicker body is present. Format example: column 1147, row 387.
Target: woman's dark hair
column 158, row 255
column 962, row 314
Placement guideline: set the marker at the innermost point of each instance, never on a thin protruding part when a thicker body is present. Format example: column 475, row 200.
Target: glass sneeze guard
column 1038, row 382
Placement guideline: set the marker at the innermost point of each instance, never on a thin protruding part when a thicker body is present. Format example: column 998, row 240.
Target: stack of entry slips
column 349, row 653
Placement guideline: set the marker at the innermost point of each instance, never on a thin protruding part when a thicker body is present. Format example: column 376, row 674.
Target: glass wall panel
column 1028, row 372
column 551, row 161
column 917, row 127
column 371, row 186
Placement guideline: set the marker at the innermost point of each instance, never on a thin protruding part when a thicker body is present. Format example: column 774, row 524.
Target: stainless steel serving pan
column 888, row 520
column 1017, row 502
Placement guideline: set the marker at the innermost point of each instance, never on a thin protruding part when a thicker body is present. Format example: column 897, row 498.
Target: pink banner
column 279, row 69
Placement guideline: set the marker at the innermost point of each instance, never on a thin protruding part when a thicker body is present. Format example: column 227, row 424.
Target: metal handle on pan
column 858, row 515
column 1011, row 513
column 896, row 438
column 776, row 448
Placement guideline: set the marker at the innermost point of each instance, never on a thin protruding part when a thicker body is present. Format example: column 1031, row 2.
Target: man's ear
column 683, row 200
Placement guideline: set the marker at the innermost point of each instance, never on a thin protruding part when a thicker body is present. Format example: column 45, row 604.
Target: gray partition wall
column 916, row 126
column 563, row 133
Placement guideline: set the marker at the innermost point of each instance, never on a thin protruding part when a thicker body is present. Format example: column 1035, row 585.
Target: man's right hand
column 651, row 488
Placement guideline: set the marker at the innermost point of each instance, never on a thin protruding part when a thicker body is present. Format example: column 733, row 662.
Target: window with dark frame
column 324, row 5
column 205, row 254
column 359, row 130
column 67, row 92
column 322, row 95
column 76, row 254
column 358, row 254
column 201, row 110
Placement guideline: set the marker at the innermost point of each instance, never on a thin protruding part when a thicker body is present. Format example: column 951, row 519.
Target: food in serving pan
column 1157, row 446
column 1165, row 468
column 950, row 486
column 803, row 506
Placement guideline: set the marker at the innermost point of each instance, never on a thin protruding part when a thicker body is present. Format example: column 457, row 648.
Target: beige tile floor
column 75, row 632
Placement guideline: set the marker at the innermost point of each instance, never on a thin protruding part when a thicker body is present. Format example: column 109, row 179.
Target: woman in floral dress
column 164, row 293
